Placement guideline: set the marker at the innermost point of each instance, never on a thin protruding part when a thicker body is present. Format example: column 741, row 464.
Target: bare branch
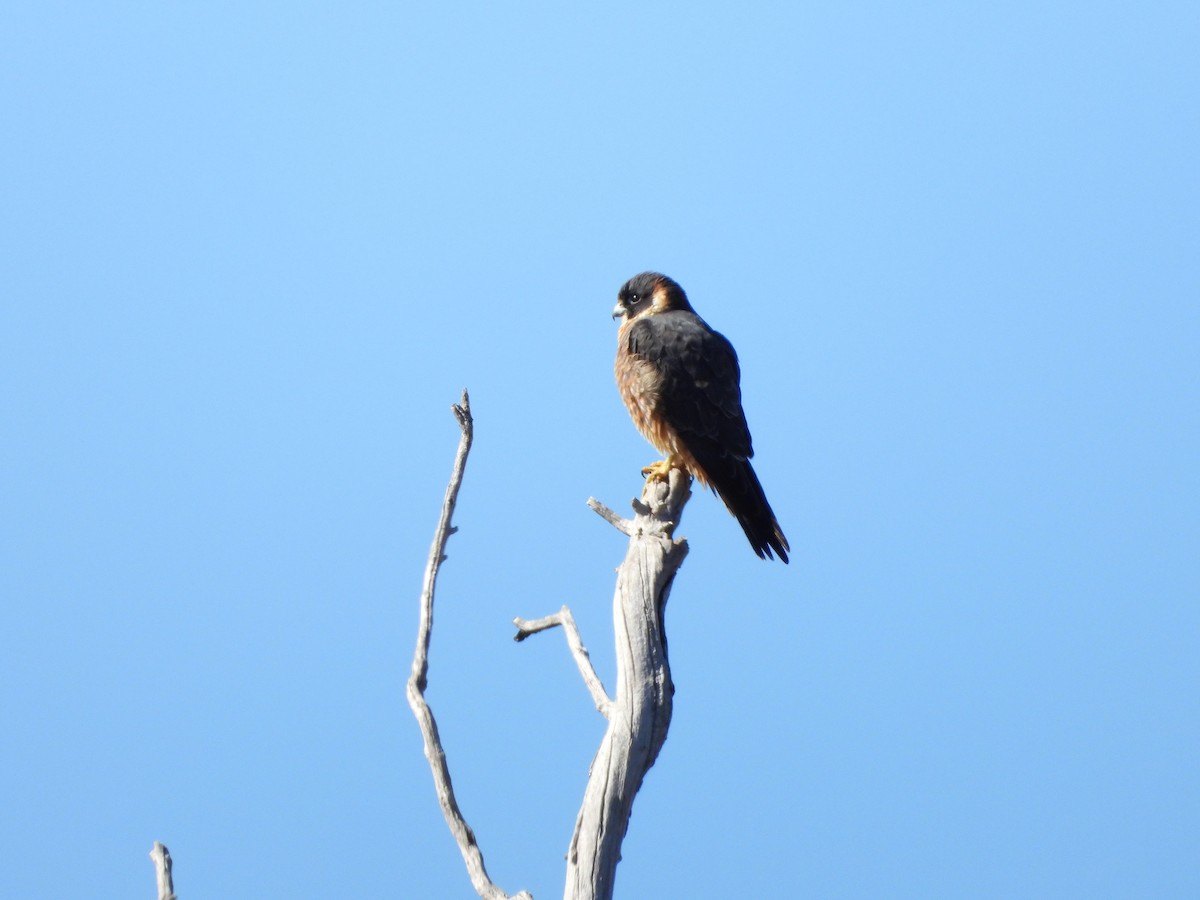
column 162, row 871
column 625, row 526
column 564, row 618
column 462, row 832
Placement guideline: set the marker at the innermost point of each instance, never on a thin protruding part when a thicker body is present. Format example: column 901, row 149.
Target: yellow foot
column 659, row 471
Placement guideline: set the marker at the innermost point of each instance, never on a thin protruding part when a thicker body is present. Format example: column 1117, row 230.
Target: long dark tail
column 737, row 485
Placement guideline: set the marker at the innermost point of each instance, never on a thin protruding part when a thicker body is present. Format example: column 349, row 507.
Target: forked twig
column 563, row 618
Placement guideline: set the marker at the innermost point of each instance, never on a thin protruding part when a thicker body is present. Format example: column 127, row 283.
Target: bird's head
column 648, row 294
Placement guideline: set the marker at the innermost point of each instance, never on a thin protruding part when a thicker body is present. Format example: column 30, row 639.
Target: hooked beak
column 619, row 311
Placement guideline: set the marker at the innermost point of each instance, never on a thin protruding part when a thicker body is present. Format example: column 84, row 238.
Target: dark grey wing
column 701, row 397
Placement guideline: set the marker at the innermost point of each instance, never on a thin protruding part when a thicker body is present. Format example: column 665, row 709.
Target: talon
column 658, row 471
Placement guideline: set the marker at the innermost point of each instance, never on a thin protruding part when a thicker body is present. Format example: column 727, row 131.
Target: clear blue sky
column 253, row 252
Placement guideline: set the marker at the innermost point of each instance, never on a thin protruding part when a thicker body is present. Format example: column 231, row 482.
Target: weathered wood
column 162, row 871
column 463, row 835
column 641, row 714
column 564, row 619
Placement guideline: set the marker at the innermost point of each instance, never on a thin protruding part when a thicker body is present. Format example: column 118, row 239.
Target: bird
column 681, row 382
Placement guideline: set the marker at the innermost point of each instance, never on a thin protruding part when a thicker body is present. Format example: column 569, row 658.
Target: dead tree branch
column 640, row 715
column 162, row 871
column 462, row 832
column 564, row 619
column 641, row 712
column 625, row 526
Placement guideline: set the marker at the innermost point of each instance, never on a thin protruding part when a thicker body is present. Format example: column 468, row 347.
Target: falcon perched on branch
column 679, row 379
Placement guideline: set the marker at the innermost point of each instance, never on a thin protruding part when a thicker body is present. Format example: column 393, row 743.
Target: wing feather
column 699, row 397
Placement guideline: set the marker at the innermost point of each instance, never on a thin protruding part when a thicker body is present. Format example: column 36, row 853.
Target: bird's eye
column 635, row 298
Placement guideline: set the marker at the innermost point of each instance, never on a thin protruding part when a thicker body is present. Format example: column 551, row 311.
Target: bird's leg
column 659, row 471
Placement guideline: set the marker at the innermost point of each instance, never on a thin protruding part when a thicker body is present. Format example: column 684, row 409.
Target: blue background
column 253, row 252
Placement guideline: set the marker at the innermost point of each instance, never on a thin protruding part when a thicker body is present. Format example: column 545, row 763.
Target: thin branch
column 162, row 871
column 625, row 526
column 564, row 619
column 462, row 832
